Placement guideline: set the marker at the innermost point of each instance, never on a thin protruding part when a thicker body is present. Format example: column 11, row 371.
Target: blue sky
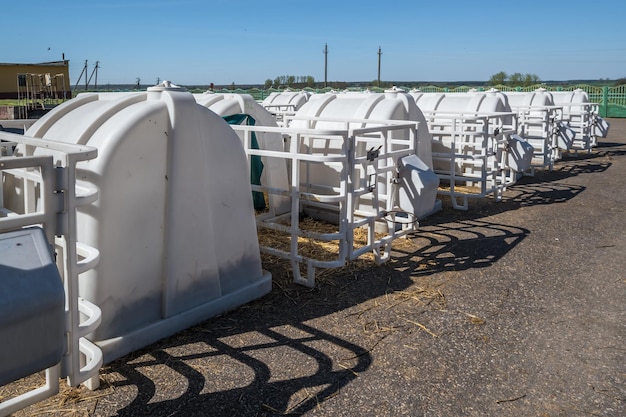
column 246, row 42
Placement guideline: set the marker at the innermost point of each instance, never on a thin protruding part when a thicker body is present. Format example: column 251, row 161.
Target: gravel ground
column 508, row 309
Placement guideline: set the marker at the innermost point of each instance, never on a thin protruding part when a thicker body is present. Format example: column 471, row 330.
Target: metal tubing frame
column 475, row 141
column 356, row 163
column 540, row 126
column 580, row 117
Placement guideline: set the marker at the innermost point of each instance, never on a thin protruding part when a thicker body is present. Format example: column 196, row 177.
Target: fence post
column 604, row 106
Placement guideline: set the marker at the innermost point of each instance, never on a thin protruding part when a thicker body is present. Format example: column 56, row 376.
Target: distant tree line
column 515, row 79
column 295, row 81
column 299, row 82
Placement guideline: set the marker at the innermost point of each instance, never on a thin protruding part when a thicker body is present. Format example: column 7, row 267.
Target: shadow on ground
column 266, row 358
column 461, row 245
column 271, row 357
column 242, row 381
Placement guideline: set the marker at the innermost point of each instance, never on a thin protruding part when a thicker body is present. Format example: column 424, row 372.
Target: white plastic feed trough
column 476, row 148
column 174, row 221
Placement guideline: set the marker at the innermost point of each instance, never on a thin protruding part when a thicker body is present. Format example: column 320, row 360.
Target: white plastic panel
column 418, row 187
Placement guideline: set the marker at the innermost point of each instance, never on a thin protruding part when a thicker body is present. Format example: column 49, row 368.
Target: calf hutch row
column 127, row 217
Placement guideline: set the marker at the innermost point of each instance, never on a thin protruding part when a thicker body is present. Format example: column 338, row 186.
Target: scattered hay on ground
column 321, row 250
column 70, row 401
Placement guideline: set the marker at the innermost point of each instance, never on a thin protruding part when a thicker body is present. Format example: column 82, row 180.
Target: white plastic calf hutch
column 285, row 103
column 475, row 146
column 332, row 111
column 174, row 221
column 582, row 116
column 541, row 124
column 273, row 171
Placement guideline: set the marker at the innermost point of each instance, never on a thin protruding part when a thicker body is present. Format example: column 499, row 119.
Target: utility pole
column 325, row 65
column 95, row 71
column 379, row 54
column 84, row 71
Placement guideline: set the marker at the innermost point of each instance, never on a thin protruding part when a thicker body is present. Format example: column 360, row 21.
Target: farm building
column 46, row 80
